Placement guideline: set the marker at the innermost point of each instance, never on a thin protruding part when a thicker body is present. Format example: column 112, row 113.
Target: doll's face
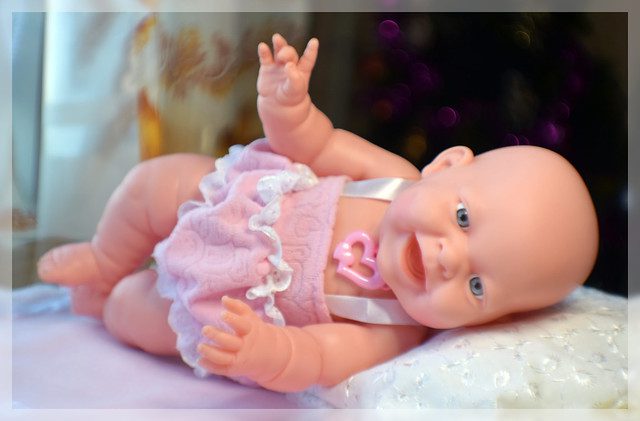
column 487, row 236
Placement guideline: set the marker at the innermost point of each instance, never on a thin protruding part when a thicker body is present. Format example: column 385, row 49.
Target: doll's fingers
column 287, row 54
column 278, row 42
column 264, row 54
column 215, row 355
column 308, row 59
column 236, row 306
column 291, row 71
column 223, row 340
column 294, row 78
column 222, row 370
column 241, row 325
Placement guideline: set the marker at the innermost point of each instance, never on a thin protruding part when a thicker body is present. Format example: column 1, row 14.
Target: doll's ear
column 457, row 155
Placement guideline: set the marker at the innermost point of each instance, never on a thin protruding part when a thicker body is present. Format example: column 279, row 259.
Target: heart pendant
column 343, row 253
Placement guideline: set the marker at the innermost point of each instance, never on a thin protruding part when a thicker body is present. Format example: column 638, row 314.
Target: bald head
column 510, row 230
column 556, row 241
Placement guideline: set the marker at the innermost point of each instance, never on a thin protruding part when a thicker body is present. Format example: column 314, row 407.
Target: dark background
column 417, row 83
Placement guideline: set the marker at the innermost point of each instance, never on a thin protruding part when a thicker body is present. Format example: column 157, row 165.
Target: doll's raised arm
column 295, row 128
column 290, row 358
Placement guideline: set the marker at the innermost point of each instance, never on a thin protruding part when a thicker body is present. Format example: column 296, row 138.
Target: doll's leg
column 141, row 212
column 135, row 313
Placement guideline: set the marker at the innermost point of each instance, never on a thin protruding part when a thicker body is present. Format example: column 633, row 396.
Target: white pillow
column 571, row 355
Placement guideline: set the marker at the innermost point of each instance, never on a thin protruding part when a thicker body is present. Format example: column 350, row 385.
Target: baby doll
column 310, row 255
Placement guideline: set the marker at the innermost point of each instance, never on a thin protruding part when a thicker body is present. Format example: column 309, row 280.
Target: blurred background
column 95, row 93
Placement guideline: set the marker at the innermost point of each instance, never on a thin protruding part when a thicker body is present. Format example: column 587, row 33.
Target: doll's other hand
column 283, row 76
column 243, row 353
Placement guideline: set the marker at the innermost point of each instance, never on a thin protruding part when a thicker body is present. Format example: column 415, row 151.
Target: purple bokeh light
column 400, row 96
column 388, row 29
column 400, row 90
column 512, row 139
column 422, row 78
column 400, row 57
column 448, row 117
column 551, row 133
column 575, row 83
column 561, row 110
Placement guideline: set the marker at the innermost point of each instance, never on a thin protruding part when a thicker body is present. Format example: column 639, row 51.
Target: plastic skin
column 475, row 239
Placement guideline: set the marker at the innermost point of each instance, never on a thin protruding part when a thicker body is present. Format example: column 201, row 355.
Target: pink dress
column 262, row 234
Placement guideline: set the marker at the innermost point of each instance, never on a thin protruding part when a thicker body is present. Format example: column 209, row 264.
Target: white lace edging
column 219, row 177
column 213, row 181
column 271, row 189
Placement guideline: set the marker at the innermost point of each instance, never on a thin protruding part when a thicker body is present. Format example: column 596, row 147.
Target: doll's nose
column 451, row 258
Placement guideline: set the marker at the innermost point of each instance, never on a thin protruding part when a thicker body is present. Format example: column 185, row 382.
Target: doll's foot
column 74, row 265
column 70, row 265
column 88, row 301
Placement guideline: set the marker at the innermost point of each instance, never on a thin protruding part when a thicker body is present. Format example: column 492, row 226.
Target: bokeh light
column 422, row 78
column 575, row 83
column 514, row 140
column 373, row 68
column 561, row 111
column 523, row 38
column 382, row 109
column 388, row 29
column 551, row 134
column 415, row 145
column 491, row 80
column 400, row 57
column 448, row 117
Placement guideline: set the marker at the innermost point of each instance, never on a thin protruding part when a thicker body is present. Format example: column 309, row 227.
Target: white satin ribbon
column 372, row 310
column 376, row 188
column 380, row 311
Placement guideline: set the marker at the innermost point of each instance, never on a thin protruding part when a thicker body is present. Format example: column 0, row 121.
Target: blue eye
column 475, row 284
column 462, row 216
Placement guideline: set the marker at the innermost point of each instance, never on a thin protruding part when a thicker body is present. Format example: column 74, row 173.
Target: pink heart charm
column 343, row 253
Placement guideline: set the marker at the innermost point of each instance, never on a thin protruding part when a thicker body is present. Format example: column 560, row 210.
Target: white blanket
column 572, row 355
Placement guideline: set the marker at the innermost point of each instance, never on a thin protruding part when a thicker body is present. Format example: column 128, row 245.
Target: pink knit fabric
column 212, row 252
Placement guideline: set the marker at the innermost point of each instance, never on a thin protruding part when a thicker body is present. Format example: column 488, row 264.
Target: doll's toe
column 71, row 264
column 87, row 301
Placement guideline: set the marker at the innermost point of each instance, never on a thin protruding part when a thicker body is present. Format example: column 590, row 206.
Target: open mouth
column 413, row 256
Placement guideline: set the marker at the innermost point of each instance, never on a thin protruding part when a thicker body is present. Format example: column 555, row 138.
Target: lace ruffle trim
column 271, row 189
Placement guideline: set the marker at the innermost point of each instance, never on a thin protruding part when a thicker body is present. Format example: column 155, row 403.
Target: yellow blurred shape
column 415, row 145
column 143, row 32
column 150, row 135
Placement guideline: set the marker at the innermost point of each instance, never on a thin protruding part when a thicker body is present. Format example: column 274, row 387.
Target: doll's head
column 479, row 237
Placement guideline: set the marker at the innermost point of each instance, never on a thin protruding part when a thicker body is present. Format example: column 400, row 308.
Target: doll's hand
column 283, row 77
column 245, row 353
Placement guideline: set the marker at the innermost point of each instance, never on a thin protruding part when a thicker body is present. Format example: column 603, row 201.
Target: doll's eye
column 475, row 284
column 462, row 216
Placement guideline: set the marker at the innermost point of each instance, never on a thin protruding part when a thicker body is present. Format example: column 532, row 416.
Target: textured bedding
column 573, row 355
